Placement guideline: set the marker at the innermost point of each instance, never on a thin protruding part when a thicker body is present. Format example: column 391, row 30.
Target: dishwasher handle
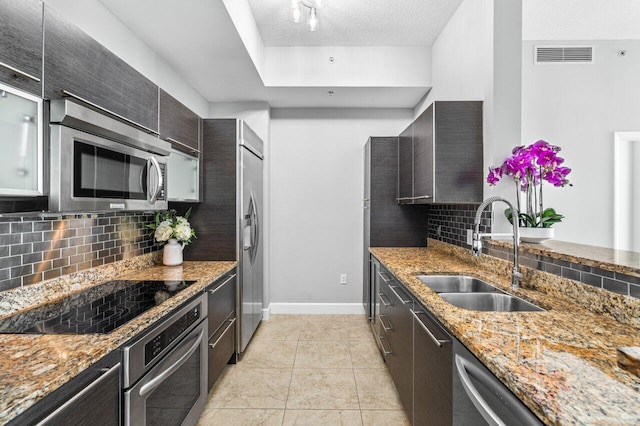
column 464, row 367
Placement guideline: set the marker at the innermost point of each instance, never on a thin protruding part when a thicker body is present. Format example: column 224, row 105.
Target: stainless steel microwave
column 99, row 163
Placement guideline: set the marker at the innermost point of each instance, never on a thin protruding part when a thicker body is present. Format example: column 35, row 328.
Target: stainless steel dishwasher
column 479, row 398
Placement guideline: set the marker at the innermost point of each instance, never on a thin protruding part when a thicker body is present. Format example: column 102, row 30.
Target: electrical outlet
column 343, row 279
column 469, row 236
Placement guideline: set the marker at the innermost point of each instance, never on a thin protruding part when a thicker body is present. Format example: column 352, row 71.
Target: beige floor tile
column 312, row 354
column 270, row 354
column 385, row 418
column 241, row 417
column 278, row 330
column 322, row 417
column 365, row 354
column 252, row 388
column 376, row 390
column 324, row 331
column 317, row 318
column 322, row 389
column 358, row 331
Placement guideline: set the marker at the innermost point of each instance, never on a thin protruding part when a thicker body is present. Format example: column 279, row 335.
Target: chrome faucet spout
column 476, row 243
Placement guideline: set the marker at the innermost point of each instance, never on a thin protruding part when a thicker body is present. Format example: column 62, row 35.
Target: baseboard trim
column 314, row 308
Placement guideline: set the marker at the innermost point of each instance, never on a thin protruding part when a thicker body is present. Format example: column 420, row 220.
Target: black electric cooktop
column 99, row 309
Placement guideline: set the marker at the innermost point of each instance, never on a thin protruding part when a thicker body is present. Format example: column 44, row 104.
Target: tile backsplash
column 35, row 248
column 449, row 222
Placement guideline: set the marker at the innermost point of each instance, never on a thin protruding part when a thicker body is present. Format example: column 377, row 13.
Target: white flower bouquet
column 169, row 225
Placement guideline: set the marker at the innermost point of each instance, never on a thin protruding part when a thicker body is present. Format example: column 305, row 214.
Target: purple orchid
column 528, row 166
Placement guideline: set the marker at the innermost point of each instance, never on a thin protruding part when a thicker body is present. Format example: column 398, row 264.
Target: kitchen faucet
column 476, row 244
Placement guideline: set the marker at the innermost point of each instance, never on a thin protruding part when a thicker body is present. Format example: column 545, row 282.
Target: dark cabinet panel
column 423, row 154
column 221, row 307
column 76, row 63
column 446, row 163
column 217, row 213
column 92, row 397
column 21, row 44
column 433, row 373
column 221, row 302
column 400, row 338
column 178, row 124
column 458, row 152
column 405, row 163
column 391, row 225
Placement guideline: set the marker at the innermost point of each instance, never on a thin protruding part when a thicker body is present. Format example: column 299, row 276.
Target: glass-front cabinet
column 183, row 177
column 21, row 143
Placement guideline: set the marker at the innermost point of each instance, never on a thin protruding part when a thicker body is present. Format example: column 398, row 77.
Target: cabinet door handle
column 111, row 113
column 89, row 388
column 384, row 350
column 420, row 197
column 393, row 289
column 438, row 342
column 182, row 144
column 381, row 296
column 390, row 327
column 382, row 274
column 20, row 73
column 222, row 285
column 231, row 322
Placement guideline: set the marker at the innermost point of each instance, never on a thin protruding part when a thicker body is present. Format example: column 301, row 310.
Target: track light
column 295, row 13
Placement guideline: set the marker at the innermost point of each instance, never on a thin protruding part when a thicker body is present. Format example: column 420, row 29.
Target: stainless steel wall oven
column 165, row 371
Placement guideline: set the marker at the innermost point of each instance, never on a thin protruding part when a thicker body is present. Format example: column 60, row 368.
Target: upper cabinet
column 76, row 65
column 440, row 158
column 405, row 165
column 179, row 125
column 21, row 44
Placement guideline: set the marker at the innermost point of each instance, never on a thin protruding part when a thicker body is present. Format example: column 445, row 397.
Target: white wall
column 477, row 57
column 97, row 21
column 355, row 66
column 316, row 184
column 579, row 107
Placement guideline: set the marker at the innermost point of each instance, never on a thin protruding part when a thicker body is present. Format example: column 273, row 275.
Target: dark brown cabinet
column 92, row 397
column 21, row 44
column 179, row 125
column 76, row 65
column 445, row 147
column 221, row 309
column 405, row 164
column 397, row 323
column 386, row 224
column 433, row 372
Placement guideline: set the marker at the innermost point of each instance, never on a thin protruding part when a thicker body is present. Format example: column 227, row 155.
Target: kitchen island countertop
column 560, row 362
column 32, row 365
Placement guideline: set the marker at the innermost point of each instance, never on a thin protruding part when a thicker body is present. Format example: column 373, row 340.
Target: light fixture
column 295, row 14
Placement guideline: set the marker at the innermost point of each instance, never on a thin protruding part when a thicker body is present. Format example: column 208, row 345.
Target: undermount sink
column 456, row 284
column 497, row 302
column 475, row 294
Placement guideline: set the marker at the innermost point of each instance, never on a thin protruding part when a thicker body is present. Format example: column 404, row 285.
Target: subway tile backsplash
column 35, row 248
column 449, row 222
column 627, row 285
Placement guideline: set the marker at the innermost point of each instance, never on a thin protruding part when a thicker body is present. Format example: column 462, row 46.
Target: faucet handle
column 476, row 244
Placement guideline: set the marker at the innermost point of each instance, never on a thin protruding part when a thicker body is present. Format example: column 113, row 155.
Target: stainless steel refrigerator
column 229, row 219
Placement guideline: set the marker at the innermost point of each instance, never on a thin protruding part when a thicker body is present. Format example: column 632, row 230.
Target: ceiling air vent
column 563, row 54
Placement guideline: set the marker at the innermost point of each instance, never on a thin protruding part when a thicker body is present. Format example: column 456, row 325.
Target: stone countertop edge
column 562, row 362
column 32, row 366
column 621, row 261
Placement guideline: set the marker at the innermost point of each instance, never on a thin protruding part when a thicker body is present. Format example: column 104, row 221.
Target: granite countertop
column 562, row 363
column 32, row 366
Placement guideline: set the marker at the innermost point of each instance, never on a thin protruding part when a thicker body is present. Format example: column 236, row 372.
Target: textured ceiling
column 356, row 22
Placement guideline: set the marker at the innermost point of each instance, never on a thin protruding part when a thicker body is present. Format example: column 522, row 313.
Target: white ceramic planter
column 172, row 253
column 535, row 235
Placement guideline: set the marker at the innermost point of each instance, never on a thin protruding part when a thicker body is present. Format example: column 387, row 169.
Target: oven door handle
column 149, row 387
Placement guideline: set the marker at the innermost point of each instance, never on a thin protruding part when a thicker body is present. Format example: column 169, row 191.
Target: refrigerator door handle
column 255, row 222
